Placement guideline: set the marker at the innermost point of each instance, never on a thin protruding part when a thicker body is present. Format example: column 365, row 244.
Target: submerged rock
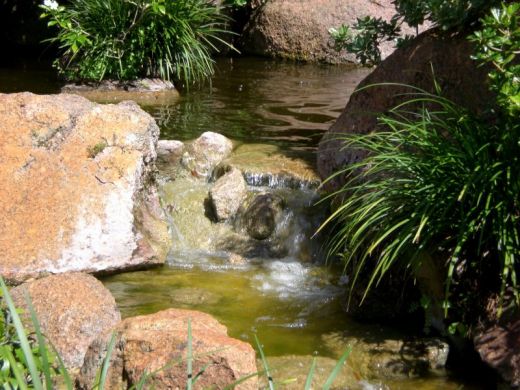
column 227, row 194
column 205, row 153
column 77, row 191
column 376, row 357
column 292, row 370
column 144, row 92
column 262, row 215
column 73, row 309
column 159, row 342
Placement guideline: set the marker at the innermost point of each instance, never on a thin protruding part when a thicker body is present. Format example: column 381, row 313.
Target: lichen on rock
column 63, row 209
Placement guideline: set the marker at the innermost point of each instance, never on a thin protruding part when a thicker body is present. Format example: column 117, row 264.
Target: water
column 291, row 302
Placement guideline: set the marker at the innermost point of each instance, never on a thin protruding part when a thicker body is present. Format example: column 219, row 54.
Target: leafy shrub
column 440, row 180
column 365, row 36
column 126, row 39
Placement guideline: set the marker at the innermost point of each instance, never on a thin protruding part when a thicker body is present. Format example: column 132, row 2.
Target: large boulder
column 431, row 56
column 73, row 309
column 159, row 342
column 298, row 29
column 77, row 192
column 499, row 347
column 227, row 194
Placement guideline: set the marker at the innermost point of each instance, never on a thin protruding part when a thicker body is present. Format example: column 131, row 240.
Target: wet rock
column 144, row 92
column 73, row 310
column 227, row 194
column 148, row 343
column 499, row 347
column 376, row 357
column 185, row 198
column 298, row 30
column 237, row 259
column 262, row 215
column 205, row 153
column 455, row 72
column 269, row 166
column 170, row 151
column 74, row 176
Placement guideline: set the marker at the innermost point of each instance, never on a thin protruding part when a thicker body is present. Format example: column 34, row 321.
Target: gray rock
column 205, row 153
column 227, row 194
column 262, row 215
column 170, row 150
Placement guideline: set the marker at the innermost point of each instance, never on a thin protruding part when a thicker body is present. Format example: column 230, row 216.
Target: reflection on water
column 253, row 100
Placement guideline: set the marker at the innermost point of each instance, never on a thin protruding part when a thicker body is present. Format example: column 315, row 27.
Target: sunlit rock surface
column 159, row 342
column 72, row 309
column 76, row 191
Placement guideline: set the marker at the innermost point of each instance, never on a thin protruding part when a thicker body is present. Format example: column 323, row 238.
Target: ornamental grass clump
column 130, row 39
column 440, row 180
column 436, row 180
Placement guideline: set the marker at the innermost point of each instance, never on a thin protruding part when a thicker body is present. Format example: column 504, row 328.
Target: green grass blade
column 264, row 362
column 42, row 346
column 14, row 368
column 106, row 362
column 61, row 367
column 310, row 375
column 337, row 369
column 22, row 336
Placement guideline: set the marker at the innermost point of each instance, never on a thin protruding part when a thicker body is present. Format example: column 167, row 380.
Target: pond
column 292, row 302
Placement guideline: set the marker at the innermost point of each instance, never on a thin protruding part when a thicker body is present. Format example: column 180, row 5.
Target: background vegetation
column 125, row 40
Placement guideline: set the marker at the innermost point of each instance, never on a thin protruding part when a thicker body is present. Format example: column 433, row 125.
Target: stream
column 281, row 291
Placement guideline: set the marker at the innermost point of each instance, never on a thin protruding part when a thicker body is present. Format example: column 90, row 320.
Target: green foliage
column 498, row 43
column 236, row 3
column 370, row 32
column 436, row 180
column 23, row 363
column 126, row 39
column 93, row 151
